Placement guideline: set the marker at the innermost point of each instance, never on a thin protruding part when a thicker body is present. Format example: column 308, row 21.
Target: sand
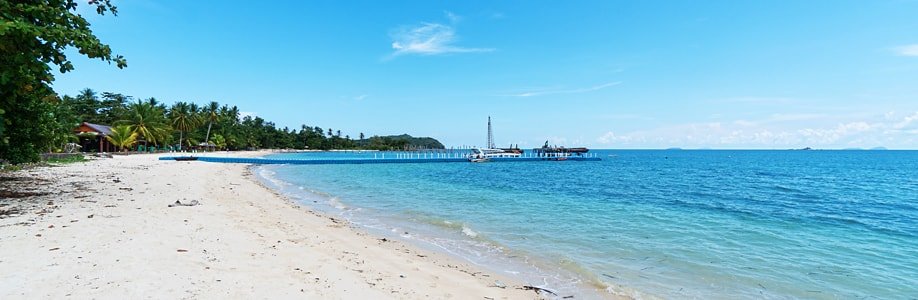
column 105, row 230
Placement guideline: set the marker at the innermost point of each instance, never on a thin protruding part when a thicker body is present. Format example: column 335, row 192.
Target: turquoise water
column 670, row 224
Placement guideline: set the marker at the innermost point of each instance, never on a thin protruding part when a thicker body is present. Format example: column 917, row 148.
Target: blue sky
column 604, row 74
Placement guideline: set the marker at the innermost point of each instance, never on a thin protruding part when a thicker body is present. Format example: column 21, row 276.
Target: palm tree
column 234, row 115
column 147, row 120
column 122, row 136
column 211, row 115
column 183, row 119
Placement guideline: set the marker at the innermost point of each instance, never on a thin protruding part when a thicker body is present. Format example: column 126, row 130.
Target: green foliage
column 210, row 113
column 67, row 159
column 1, row 124
column 158, row 124
column 30, row 130
column 33, row 36
column 148, row 119
column 183, row 119
column 123, row 136
column 62, row 128
column 219, row 141
column 399, row 142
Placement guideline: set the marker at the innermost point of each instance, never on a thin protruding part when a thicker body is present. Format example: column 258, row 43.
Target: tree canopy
column 33, row 36
column 188, row 124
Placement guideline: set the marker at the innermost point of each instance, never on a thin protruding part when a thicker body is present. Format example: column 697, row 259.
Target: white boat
column 487, row 154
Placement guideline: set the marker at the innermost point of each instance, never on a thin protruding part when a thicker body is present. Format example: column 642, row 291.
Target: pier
column 381, row 160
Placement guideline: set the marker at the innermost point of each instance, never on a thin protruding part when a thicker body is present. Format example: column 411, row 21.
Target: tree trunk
column 181, row 134
column 207, row 138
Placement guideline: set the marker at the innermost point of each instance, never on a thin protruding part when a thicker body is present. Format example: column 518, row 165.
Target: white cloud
column 428, row 39
column 571, row 91
column 744, row 123
column 907, row 50
column 361, row 97
column 906, row 121
column 610, row 138
column 453, row 18
column 795, row 117
column 243, row 114
column 781, row 132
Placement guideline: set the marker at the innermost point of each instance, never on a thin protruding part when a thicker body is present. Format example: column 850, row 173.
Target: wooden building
column 92, row 137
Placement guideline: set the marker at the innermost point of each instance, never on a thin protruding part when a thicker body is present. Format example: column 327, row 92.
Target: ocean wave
column 469, row 232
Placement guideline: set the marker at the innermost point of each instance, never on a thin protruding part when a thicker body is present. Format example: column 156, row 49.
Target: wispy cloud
column 564, row 91
column 453, row 18
column 361, row 97
column 430, row 39
column 907, row 50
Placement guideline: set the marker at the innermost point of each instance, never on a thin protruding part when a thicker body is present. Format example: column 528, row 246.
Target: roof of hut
column 101, row 129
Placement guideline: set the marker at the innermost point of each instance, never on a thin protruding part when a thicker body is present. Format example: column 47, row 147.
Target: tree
column 211, row 115
column 122, row 136
column 114, row 107
column 64, row 121
column 219, row 141
column 86, row 106
column 34, row 35
column 182, row 119
column 361, row 135
column 147, row 120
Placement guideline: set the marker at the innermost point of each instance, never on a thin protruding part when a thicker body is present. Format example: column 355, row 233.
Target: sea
column 647, row 224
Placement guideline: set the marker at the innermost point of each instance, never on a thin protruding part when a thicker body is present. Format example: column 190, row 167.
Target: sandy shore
column 104, row 229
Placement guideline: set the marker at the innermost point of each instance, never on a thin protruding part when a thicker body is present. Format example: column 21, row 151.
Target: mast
column 490, row 135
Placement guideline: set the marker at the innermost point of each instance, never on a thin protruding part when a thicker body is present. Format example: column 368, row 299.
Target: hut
column 92, row 137
column 206, row 146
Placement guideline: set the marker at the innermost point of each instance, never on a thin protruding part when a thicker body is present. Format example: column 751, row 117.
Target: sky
column 603, row 74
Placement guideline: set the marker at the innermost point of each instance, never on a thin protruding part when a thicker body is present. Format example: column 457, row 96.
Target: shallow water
column 671, row 224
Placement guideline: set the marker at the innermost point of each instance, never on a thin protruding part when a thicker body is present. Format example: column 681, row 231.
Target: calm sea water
column 669, row 224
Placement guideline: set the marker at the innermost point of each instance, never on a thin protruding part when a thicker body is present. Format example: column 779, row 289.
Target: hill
column 399, row 142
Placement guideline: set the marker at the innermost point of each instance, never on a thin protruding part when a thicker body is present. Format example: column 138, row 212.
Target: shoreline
column 104, row 229
column 523, row 266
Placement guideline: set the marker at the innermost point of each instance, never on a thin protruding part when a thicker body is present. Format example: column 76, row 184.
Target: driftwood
column 537, row 289
column 179, row 203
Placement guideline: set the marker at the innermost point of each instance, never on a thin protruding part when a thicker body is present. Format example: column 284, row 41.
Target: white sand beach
column 105, row 230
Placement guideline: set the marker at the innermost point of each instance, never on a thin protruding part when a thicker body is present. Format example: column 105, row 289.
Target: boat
column 559, row 151
column 485, row 154
column 489, row 153
column 186, row 158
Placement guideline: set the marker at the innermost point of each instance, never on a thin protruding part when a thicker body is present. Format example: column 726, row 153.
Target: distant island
column 395, row 142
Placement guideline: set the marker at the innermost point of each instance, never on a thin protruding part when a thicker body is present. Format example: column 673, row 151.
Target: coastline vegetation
column 214, row 125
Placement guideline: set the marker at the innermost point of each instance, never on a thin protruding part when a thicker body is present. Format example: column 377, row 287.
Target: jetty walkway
column 271, row 161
